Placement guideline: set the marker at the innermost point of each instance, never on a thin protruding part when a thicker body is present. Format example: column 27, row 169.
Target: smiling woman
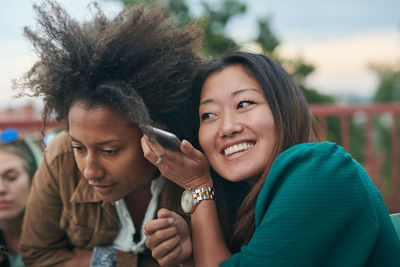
column 309, row 202
column 106, row 78
column 239, row 94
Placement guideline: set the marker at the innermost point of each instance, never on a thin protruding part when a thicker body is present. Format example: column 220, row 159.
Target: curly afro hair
column 140, row 63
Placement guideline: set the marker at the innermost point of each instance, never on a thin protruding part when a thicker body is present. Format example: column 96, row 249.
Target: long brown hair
column 292, row 118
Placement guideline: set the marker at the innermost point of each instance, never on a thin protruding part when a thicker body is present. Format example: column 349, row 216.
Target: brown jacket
column 64, row 212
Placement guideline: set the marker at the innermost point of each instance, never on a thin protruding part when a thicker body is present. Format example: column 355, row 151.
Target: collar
column 124, row 241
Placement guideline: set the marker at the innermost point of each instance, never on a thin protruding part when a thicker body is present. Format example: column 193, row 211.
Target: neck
column 12, row 232
column 137, row 202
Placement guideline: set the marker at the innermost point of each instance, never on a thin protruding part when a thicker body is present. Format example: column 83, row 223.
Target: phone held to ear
column 165, row 139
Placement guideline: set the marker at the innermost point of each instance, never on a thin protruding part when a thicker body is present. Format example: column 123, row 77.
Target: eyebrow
column 97, row 144
column 238, row 92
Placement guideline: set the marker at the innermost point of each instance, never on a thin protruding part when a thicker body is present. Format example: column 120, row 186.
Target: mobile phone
column 165, row 139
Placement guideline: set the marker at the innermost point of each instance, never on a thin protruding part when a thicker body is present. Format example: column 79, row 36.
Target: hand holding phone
column 165, row 139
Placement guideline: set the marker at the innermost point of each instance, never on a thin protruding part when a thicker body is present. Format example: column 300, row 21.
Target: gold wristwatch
column 192, row 197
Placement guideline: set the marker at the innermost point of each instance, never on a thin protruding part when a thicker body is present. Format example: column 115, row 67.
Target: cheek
column 134, row 164
column 79, row 162
column 205, row 140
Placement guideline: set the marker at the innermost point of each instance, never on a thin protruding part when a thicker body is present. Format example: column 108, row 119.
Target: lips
column 4, row 204
column 103, row 189
column 237, row 148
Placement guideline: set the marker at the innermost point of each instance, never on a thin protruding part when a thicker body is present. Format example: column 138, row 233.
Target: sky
column 341, row 38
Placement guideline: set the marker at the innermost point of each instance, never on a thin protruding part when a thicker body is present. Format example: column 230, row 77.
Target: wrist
column 203, row 181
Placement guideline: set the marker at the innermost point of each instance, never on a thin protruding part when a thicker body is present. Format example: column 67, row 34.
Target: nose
column 230, row 125
column 92, row 169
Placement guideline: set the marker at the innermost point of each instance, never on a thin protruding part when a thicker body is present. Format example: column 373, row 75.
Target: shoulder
column 310, row 153
column 326, row 160
column 315, row 177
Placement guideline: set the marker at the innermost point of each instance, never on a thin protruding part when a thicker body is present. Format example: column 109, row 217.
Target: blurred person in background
column 106, row 78
column 17, row 167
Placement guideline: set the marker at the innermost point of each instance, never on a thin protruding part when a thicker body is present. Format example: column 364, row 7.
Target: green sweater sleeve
column 318, row 207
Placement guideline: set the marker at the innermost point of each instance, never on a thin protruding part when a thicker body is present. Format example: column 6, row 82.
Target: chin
column 109, row 198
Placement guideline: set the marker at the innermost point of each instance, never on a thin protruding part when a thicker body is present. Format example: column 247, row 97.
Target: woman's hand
column 189, row 169
column 168, row 238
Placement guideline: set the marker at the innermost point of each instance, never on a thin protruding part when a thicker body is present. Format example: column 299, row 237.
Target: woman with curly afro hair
column 106, row 79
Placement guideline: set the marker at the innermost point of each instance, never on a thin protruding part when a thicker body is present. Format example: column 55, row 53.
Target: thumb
column 173, row 218
column 165, row 213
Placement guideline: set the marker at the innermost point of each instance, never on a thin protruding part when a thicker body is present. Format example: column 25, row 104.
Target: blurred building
column 28, row 112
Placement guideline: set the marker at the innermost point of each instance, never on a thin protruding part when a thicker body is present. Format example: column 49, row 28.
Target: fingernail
column 170, row 220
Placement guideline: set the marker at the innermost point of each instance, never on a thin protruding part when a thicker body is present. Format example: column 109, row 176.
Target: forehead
column 101, row 122
column 228, row 81
column 9, row 160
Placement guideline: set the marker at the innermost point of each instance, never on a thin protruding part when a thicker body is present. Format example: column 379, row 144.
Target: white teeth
column 237, row 148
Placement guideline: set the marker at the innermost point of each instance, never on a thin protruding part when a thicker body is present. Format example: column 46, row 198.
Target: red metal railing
column 344, row 113
column 29, row 125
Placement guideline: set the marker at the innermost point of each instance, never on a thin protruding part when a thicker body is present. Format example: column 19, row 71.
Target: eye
column 78, row 148
column 206, row 116
column 244, row 104
column 110, row 151
column 11, row 177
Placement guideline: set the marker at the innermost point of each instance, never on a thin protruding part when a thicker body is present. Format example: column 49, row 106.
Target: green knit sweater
column 318, row 207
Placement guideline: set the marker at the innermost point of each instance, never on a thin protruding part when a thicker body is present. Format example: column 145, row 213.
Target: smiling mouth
column 237, row 148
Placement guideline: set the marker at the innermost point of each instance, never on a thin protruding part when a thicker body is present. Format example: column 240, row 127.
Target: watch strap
column 203, row 193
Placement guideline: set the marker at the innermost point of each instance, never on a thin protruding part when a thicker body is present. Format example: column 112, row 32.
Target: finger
column 165, row 213
column 158, row 237
column 157, row 224
column 154, row 145
column 192, row 153
column 172, row 258
column 165, row 247
column 147, row 148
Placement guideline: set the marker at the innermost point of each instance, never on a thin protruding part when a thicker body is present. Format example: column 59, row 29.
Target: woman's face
column 107, row 151
column 237, row 131
column 14, row 185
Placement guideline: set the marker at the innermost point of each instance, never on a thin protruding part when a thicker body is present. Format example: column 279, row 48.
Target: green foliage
column 216, row 42
column 266, row 38
column 388, row 91
column 389, row 85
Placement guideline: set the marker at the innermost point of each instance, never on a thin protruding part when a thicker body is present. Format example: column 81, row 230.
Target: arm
column 190, row 169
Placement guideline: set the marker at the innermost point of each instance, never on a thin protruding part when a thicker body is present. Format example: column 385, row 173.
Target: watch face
column 187, row 201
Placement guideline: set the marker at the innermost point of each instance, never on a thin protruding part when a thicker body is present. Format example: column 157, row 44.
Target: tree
column 214, row 21
column 388, row 89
